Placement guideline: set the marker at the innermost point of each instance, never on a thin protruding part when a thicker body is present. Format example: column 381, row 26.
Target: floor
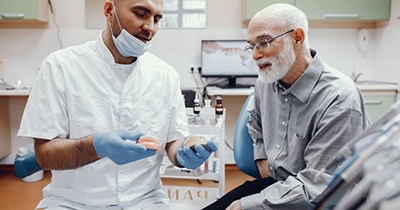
column 18, row 195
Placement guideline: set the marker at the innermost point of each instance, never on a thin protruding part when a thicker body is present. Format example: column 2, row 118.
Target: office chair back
column 189, row 97
column 243, row 144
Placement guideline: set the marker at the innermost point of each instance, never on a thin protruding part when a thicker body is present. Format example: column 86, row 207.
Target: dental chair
column 26, row 165
column 243, row 144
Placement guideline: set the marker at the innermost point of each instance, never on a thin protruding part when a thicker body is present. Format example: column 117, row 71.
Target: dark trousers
column 247, row 188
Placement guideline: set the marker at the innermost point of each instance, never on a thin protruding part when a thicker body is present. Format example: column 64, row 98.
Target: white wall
column 22, row 50
column 386, row 61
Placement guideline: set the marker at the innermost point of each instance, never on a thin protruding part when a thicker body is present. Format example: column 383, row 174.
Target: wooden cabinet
column 24, row 13
column 12, row 104
column 5, row 138
column 332, row 13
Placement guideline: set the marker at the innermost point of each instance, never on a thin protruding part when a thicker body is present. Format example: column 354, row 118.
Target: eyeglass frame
column 260, row 44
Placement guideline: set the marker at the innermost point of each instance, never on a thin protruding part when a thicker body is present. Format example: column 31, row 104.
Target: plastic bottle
column 219, row 107
column 208, row 113
column 196, row 104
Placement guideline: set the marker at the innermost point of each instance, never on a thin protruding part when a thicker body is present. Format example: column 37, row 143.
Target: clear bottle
column 208, row 115
column 196, row 104
column 219, row 107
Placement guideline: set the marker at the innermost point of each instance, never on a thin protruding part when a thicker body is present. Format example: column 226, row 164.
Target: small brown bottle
column 219, row 107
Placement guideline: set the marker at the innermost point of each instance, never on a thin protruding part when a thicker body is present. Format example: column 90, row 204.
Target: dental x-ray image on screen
column 227, row 58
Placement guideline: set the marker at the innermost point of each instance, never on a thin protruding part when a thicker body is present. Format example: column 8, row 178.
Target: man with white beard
column 302, row 113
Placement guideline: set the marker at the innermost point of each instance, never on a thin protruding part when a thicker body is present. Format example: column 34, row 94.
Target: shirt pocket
column 153, row 117
column 296, row 151
column 89, row 114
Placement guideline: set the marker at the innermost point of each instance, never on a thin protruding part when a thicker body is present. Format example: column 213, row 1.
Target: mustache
column 264, row 61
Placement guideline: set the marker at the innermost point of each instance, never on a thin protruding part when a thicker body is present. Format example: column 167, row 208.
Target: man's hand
column 235, row 205
column 263, row 168
column 193, row 157
column 114, row 145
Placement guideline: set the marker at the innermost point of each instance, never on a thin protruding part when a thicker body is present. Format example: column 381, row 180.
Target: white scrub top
column 80, row 91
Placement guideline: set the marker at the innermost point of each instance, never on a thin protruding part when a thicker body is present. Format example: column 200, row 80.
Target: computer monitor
column 227, row 58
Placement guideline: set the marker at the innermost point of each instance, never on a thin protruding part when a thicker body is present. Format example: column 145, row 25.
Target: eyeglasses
column 264, row 43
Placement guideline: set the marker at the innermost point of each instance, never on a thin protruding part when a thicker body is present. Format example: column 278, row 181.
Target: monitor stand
column 232, row 84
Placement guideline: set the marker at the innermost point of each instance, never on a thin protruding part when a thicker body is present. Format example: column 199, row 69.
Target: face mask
column 128, row 45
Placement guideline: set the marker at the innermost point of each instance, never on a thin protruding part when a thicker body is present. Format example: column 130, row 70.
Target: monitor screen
column 226, row 58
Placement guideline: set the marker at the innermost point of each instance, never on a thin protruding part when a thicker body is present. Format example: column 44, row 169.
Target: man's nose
column 149, row 26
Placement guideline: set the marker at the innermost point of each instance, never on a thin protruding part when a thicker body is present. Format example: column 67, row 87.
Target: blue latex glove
column 114, row 145
column 192, row 159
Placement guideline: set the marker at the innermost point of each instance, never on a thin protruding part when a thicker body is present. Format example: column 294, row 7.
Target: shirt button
column 286, row 100
column 270, row 168
column 283, row 123
column 277, row 146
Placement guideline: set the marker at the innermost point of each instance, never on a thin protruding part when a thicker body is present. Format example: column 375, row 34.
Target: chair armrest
column 26, row 165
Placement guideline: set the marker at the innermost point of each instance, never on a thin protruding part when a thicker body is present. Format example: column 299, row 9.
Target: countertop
column 389, row 87
column 212, row 91
column 15, row 92
column 231, row 91
column 378, row 85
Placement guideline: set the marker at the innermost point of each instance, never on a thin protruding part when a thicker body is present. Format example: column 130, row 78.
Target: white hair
column 286, row 16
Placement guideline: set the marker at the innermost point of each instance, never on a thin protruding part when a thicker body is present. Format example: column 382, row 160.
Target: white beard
column 280, row 65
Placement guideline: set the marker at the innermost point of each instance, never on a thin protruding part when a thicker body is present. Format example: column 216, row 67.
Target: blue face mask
column 128, row 45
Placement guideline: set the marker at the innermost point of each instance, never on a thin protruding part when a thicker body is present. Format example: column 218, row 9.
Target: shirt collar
column 107, row 55
column 303, row 87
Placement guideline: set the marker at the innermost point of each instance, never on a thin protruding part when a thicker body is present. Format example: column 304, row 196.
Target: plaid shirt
column 299, row 129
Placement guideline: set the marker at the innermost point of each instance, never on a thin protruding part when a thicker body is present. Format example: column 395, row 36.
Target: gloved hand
column 193, row 158
column 114, row 145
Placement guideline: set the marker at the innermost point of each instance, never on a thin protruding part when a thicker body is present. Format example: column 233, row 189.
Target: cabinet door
column 5, row 128
column 23, row 10
column 345, row 9
column 253, row 6
column 377, row 105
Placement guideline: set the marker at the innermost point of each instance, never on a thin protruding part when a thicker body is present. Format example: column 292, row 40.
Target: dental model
column 193, row 140
column 150, row 142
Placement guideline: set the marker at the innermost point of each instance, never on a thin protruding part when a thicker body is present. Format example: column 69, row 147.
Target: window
column 184, row 14
column 176, row 14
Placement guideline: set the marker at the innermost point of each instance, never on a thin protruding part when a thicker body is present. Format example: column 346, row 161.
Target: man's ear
column 299, row 35
column 108, row 7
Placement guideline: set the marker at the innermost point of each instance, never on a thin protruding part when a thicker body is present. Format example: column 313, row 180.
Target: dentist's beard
column 280, row 65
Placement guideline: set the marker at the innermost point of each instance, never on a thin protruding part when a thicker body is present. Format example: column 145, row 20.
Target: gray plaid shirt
column 299, row 129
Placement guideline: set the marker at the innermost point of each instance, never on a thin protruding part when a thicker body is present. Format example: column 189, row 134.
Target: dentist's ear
column 108, row 7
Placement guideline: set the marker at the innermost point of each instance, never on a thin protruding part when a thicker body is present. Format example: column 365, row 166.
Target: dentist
column 92, row 102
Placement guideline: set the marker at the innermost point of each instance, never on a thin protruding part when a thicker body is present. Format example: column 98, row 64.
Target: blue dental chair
column 243, row 144
column 26, row 165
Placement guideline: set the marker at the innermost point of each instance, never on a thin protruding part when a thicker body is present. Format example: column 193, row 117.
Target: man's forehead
column 259, row 29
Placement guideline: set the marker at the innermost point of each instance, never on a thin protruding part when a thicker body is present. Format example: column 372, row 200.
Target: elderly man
column 303, row 112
